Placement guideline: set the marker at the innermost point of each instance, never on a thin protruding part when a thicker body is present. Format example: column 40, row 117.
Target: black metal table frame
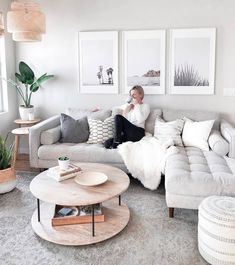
column 93, row 213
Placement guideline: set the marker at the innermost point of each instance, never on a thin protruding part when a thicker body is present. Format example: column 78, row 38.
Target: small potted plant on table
column 7, row 172
column 63, row 162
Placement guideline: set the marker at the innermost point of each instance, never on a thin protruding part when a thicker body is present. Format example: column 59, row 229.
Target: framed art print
column 144, row 60
column 98, row 62
column 192, row 61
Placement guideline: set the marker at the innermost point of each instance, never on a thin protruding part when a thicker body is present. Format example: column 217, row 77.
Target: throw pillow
column 196, row 133
column 73, row 131
column 169, row 130
column 100, row 131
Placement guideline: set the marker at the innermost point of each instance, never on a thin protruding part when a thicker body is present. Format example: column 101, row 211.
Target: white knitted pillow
column 100, row 131
column 171, row 130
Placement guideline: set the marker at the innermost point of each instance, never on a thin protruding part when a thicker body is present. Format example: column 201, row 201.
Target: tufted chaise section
column 197, row 174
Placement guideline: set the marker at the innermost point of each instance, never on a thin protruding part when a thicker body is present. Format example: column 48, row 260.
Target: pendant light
column 1, row 24
column 25, row 21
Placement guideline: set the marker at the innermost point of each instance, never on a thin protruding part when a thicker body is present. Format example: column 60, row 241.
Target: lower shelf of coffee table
column 116, row 218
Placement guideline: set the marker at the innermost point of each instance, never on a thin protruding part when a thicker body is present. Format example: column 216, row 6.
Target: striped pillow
column 100, row 131
column 169, row 130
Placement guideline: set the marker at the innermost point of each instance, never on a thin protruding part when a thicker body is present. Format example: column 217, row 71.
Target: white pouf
column 216, row 230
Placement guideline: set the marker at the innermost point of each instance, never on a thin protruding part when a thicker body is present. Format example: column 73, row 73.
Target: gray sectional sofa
column 190, row 175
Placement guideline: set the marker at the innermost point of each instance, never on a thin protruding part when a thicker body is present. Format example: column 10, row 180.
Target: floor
column 149, row 238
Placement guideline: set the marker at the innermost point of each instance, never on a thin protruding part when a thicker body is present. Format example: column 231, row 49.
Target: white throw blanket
column 145, row 159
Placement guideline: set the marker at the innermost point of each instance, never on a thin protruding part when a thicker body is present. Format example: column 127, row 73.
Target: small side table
column 22, row 130
column 21, row 123
column 18, row 132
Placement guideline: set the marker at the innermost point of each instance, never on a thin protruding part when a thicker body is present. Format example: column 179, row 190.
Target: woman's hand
column 131, row 106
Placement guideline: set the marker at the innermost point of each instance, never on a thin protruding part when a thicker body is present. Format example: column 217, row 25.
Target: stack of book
column 59, row 175
column 70, row 215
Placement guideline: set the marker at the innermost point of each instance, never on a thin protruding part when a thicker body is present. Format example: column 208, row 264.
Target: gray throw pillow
column 73, row 131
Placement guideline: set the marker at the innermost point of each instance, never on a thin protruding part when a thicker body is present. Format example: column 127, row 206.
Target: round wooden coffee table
column 69, row 193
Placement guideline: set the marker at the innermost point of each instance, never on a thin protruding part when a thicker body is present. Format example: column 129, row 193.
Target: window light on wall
column 26, row 22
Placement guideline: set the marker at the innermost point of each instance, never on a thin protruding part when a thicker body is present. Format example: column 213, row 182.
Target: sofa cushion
column 196, row 133
column 73, row 131
column 51, row 136
column 194, row 172
column 218, row 144
column 100, row 131
column 196, row 115
column 150, row 122
column 171, row 130
column 81, row 152
column 93, row 114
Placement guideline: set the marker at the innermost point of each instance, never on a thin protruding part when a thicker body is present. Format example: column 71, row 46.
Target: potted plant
column 63, row 162
column 31, row 85
column 7, row 173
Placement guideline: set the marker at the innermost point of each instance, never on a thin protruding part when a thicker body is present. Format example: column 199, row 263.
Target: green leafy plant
column 30, row 82
column 63, row 158
column 5, row 153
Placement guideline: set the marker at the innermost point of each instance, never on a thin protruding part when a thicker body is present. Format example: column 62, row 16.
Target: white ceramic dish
column 91, row 178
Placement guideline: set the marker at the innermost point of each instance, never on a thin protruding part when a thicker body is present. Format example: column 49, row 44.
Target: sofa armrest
column 35, row 137
column 228, row 132
column 218, row 144
column 51, row 136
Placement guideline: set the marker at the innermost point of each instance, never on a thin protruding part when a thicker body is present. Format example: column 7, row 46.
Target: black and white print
column 192, row 61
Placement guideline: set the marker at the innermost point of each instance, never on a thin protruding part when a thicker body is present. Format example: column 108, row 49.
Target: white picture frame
column 143, row 56
column 98, row 62
column 192, row 61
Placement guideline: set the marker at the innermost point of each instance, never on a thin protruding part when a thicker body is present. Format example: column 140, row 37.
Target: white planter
column 64, row 164
column 7, row 180
column 7, row 186
column 26, row 113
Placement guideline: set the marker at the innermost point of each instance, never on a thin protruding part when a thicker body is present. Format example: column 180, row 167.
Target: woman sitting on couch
column 130, row 125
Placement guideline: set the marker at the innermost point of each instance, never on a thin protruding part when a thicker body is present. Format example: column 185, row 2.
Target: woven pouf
column 216, row 230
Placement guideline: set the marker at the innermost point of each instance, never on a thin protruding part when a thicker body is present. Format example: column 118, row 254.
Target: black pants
column 124, row 131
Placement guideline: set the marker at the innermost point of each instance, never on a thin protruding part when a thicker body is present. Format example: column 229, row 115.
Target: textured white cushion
column 196, row 133
column 218, row 144
column 100, row 131
column 196, row 173
column 172, row 130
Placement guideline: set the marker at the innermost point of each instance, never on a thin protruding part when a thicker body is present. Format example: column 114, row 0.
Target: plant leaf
column 34, row 87
column 20, row 77
column 5, row 154
column 43, row 78
column 27, row 73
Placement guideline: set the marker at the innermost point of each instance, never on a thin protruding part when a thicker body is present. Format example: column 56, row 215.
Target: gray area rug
column 150, row 237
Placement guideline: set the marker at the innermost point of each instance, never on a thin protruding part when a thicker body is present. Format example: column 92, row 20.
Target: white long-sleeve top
column 138, row 115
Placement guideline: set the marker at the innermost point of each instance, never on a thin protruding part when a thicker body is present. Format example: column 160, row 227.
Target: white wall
column 57, row 53
column 6, row 119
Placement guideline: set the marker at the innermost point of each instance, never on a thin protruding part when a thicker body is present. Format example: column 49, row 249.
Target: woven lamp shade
column 1, row 24
column 26, row 22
